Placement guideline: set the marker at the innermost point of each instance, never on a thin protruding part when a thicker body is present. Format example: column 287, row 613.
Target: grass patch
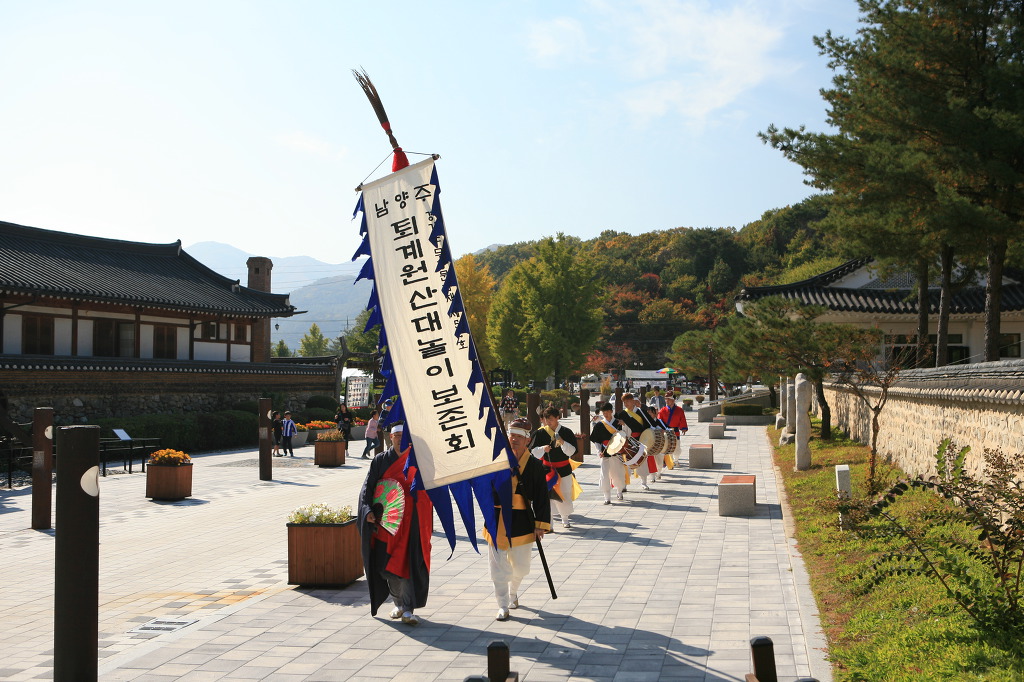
column 907, row 628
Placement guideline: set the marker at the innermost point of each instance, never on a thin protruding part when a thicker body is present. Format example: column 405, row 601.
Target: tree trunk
column 773, row 395
column 826, row 411
column 713, row 394
column 942, row 332
column 923, row 306
column 994, row 297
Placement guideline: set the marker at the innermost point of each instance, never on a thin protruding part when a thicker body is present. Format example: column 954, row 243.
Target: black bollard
column 42, row 467
column 266, row 438
column 583, row 444
column 498, row 665
column 77, row 555
column 618, row 399
column 762, row 653
column 532, row 403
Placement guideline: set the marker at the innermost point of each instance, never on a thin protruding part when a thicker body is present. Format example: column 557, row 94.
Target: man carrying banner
column 554, row 444
column 613, row 471
column 396, row 524
column 509, row 557
column 636, row 422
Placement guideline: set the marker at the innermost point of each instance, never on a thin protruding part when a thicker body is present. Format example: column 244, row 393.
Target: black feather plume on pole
column 400, row 160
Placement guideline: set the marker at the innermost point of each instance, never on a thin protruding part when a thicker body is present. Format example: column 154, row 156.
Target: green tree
column 929, row 152
column 698, row 352
column 547, row 314
column 786, row 328
column 477, row 288
column 314, row 343
column 281, row 350
column 357, row 340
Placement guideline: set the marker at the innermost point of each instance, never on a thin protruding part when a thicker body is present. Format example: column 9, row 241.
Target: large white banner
column 431, row 361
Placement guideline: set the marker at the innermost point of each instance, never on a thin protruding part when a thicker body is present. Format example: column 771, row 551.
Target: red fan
column 391, row 497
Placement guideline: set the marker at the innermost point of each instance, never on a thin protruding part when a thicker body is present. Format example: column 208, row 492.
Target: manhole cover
column 158, row 625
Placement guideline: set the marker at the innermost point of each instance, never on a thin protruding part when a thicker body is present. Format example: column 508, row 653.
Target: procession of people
column 636, row 441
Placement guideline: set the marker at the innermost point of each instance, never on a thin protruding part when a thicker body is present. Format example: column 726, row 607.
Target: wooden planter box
column 165, row 482
column 329, row 453
column 324, row 554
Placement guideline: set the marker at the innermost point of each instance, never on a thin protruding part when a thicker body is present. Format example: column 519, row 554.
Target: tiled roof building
column 857, row 293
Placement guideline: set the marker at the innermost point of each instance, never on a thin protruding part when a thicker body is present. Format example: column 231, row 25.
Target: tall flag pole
column 429, row 357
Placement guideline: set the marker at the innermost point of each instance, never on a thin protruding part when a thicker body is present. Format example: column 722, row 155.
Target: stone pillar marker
column 791, row 413
column 803, row 422
column 780, row 419
column 843, row 484
column 583, row 444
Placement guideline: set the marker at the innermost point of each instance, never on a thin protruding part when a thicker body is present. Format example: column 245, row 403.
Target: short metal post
column 42, row 467
column 497, row 661
column 77, row 556
column 266, row 458
column 762, row 653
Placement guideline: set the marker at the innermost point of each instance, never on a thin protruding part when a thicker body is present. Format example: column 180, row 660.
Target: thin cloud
column 557, row 41
column 308, row 144
column 690, row 58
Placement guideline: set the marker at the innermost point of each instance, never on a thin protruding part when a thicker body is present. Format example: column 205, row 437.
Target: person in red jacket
column 673, row 416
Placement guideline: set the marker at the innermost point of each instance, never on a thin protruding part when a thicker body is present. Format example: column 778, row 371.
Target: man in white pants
column 613, row 471
column 509, row 557
column 554, row 445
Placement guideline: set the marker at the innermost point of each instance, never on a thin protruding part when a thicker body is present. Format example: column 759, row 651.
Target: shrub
column 228, row 429
column 316, row 414
column 176, row 431
column 699, row 398
column 742, row 410
column 252, row 406
column 331, row 436
column 323, row 402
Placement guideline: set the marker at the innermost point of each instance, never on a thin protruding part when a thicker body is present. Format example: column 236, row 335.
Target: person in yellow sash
column 554, row 444
column 637, row 422
column 613, row 471
column 509, row 557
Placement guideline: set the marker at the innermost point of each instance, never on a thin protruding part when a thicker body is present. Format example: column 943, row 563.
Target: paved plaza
column 657, row 587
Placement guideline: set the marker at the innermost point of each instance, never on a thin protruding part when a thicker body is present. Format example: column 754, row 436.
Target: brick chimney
column 259, row 279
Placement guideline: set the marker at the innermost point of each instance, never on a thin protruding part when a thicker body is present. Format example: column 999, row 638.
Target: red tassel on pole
column 400, row 160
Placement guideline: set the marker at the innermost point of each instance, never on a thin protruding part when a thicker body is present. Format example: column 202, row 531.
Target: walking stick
column 547, row 573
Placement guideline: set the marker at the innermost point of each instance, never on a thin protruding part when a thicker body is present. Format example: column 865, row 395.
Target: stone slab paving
column 658, row 587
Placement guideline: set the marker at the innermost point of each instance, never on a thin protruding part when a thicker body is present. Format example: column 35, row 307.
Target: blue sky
column 240, row 122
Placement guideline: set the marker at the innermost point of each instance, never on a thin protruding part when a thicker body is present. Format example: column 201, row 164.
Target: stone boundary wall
column 79, row 394
column 979, row 405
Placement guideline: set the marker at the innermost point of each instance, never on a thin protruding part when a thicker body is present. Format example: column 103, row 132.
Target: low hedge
column 742, row 410
column 323, row 402
column 193, row 432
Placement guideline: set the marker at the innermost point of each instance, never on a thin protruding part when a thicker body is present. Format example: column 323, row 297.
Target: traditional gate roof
column 875, row 298
column 62, row 265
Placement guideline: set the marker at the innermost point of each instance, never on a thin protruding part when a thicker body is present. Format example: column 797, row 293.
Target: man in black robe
column 509, row 557
column 554, row 445
column 396, row 565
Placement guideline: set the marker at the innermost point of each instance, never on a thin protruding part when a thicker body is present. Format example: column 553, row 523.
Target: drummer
column 613, row 471
column 554, row 444
column 637, row 421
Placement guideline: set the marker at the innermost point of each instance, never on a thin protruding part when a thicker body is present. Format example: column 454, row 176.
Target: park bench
column 126, row 448
column 701, row 456
column 736, row 495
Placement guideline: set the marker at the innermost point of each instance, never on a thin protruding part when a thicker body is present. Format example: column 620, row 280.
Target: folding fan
column 391, row 497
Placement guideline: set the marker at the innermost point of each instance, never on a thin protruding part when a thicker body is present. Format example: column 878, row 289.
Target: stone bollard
column 844, row 489
column 791, row 413
column 780, row 420
column 803, row 423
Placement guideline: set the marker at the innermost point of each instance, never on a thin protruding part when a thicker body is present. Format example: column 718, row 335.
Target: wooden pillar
column 42, row 467
column 532, row 403
column 77, row 556
column 583, row 443
column 266, row 412
column 618, row 399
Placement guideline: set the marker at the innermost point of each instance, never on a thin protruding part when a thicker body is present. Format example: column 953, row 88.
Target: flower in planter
column 331, row 436
column 168, row 457
column 358, row 422
column 321, row 424
column 320, row 513
column 301, row 427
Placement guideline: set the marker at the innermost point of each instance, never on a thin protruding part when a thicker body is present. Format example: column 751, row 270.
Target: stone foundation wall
column 80, row 395
column 981, row 406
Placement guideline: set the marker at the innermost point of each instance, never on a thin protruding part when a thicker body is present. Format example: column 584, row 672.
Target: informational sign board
column 357, row 391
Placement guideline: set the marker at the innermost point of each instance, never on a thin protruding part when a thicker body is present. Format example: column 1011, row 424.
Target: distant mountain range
column 324, row 290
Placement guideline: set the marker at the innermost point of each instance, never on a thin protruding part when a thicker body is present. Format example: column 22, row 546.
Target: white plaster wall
column 12, row 334
column 210, row 351
column 85, row 337
column 239, row 353
column 145, row 341
column 62, row 336
column 182, row 345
